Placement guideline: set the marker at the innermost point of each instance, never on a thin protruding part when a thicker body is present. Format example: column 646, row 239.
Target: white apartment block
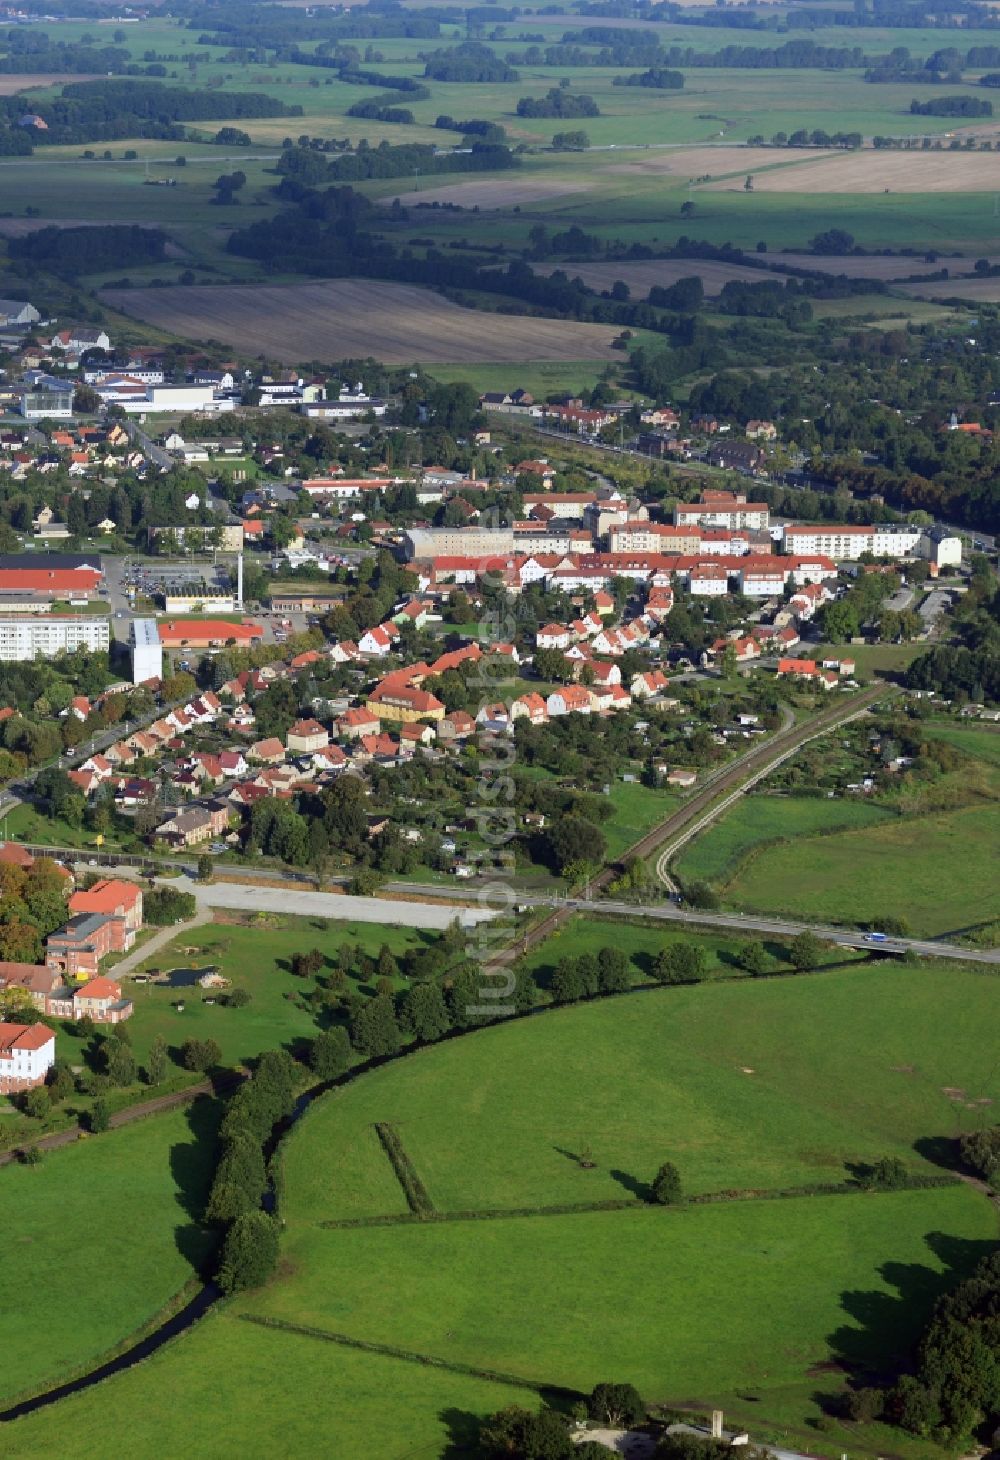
column 845, row 542
column 31, row 637
column 732, row 515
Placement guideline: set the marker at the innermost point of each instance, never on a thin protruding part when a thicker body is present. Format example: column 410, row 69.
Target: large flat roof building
column 147, row 651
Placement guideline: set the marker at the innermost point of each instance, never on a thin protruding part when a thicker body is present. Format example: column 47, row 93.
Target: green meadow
column 738, row 1082
column 233, row 1388
column 98, row 1237
column 938, row 873
column 756, row 819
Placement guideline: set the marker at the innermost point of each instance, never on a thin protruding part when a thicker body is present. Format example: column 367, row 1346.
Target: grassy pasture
column 98, row 1238
column 936, row 873
column 755, row 819
column 680, row 1302
column 678, row 1072
column 252, row 1391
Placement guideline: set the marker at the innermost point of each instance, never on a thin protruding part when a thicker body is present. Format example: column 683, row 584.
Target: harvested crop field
column 978, row 291
column 875, row 267
column 21, row 227
column 346, row 318
column 641, row 277
column 497, row 192
column 872, row 171
column 11, row 85
column 708, row 161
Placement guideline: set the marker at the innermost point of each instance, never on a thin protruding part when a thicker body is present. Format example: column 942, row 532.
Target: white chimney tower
column 239, row 581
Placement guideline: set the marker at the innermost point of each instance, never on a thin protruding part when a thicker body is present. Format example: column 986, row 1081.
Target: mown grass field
column 97, row 1239
column 682, row 1303
column 755, row 819
column 231, row 1388
column 750, row 1305
column 740, row 1083
column 937, row 872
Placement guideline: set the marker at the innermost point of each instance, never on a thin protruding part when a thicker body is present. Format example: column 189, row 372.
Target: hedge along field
column 688, row 1305
column 739, row 1083
column 938, row 873
column 757, row 819
column 97, row 1239
column 280, row 1394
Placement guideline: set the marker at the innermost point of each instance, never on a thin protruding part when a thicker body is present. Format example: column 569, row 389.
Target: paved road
column 781, row 927
column 303, row 903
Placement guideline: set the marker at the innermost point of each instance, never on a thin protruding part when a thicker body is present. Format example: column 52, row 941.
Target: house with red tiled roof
column 356, row 722
column 459, row 725
column 378, row 642
column 27, row 1053
column 306, row 735
column 270, row 750
column 403, row 702
column 570, row 699
column 530, row 707
column 112, row 897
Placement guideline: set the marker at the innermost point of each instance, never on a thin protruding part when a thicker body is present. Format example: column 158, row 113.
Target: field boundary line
column 416, row 1193
column 915, row 1182
column 386, row 1350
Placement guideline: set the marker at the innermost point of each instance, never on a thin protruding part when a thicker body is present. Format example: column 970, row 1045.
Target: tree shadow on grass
column 632, row 1184
column 886, row 1326
column 192, row 1164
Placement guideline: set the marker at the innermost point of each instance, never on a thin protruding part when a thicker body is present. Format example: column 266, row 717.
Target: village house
column 197, row 824
column 27, row 1053
column 571, row 699
column 459, row 725
column 306, row 735
column 353, row 724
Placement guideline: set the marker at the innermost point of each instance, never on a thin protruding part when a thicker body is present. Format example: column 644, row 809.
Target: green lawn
column 686, row 1305
column 871, row 658
column 637, row 809
column 755, row 819
column 231, row 1388
column 740, row 1083
column 256, row 959
column 938, row 873
column 98, row 1238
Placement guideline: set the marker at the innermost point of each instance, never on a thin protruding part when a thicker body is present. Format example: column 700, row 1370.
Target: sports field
column 352, row 318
